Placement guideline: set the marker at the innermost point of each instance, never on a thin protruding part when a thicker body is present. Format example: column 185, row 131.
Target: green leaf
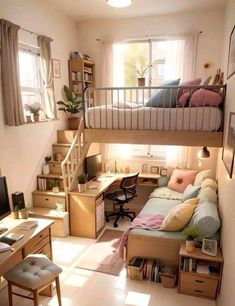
column 68, row 94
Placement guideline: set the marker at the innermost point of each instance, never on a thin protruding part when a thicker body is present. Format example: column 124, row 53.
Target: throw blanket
column 147, row 222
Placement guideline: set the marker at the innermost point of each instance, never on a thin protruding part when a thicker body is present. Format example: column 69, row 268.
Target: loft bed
column 170, row 115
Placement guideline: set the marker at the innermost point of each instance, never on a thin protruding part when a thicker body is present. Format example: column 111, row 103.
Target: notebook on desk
column 28, row 225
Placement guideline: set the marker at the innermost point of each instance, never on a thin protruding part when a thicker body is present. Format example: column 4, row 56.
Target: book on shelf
column 203, row 268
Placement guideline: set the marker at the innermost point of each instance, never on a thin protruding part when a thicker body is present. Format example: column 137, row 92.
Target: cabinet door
column 100, row 216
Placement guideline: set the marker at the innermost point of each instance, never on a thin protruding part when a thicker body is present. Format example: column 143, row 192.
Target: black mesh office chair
column 122, row 196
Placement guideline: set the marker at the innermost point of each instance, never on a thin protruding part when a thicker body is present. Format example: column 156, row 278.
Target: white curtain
column 46, row 69
column 179, row 157
column 106, row 64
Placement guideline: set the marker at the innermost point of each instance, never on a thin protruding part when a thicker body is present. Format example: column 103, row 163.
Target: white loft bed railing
column 118, row 113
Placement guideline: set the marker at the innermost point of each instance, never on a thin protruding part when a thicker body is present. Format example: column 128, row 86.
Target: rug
column 100, row 256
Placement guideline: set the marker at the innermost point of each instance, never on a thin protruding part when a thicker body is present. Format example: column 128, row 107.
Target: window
column 31, row 83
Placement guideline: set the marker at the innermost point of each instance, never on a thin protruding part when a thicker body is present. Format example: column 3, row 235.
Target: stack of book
column 42, row 184
column 149, row 268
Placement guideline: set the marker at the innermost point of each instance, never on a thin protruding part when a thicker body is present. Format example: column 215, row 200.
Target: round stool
column 34, row 273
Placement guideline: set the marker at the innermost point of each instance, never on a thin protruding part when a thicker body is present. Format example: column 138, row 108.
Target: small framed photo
column 155, row 169
column 56, row 68
column 209, row 247
column 163, row 172
column 144, row 168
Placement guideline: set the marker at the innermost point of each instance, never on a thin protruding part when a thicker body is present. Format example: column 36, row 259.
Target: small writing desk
column 35, row 240
column 86, row 209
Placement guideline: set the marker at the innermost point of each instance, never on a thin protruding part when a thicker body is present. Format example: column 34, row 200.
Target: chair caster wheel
column 115, row 225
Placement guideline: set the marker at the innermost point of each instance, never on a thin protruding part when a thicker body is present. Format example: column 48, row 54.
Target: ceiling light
column 203, row 153
column 119, row 3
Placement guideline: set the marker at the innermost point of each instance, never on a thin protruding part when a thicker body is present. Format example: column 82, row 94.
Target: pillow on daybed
column 192, row 201
column 201, row 176
column 164, row 97
column 125, row 105
column 207, row 194
column 178, row 217
column 190, row 192
column 209, row 183
column 180, row 179
column 205, row 97
column 185, row 93
column 206, row 219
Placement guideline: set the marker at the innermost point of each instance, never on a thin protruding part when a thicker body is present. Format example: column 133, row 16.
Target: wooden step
column 65, row 136
column 63, row 145
column 50, row 193
column 50, row 176
column 61, row 148
column 48, row 199
column 47, row 212
column 55, row 167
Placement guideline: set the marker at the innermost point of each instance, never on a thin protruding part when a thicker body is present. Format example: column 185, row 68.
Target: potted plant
column 45, row 167
column 55, row 186
column 34, row 109
column 73, row 105
column 190, row 233
column 15, row 212
column 82, row 179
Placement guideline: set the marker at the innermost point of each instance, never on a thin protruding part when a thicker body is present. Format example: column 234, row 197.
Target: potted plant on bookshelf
column 191, row 233
column 82, row 179
column 55, row 186
column 73, row 106
column 34, row 109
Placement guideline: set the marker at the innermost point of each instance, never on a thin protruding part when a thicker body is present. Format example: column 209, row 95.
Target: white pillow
column 201, row 176
column 209, row 183
column 126, row 105
column 207, row 194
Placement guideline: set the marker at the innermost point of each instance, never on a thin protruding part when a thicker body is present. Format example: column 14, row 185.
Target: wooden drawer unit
column 47, row 201
column 198, row 285
column 37, row 243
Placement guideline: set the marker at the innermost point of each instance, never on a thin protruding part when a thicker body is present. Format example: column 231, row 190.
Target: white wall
column 23, row 148
column 227, row 185
column 211, row 22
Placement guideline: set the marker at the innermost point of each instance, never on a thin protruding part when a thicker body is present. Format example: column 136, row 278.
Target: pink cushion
column 180, row 179
column 184, row 98
column 181, row 91
column 205, row 97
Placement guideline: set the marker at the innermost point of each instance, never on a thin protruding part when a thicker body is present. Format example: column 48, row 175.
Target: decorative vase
column 55, row 189
column 45, row 169
column 36, row 118
column 28, row 118
column 73, row 123
column 190, row 245
column 15, row 214
column 81, row 187
column 141, row 82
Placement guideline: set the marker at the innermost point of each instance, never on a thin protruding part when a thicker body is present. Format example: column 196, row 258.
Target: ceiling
column 81, row 10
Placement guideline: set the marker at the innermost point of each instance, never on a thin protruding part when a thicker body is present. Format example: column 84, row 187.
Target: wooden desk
column 36, row 240
column 86, row 209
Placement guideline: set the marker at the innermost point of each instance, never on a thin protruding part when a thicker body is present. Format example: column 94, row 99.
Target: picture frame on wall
column 229, row 147
column 155, row 169
column 231, row 55
column 56, row 68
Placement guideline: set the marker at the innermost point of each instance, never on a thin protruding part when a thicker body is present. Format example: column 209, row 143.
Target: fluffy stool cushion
column 33, row 272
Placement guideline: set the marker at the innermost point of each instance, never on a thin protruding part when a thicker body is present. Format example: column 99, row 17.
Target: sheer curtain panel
column 46, row 70
column 11, row 94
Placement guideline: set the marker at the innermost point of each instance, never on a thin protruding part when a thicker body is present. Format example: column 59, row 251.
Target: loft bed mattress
column 148, row 118
column 158, row 206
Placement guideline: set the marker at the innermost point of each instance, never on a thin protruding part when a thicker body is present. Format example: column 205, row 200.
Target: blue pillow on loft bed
column 164, row 97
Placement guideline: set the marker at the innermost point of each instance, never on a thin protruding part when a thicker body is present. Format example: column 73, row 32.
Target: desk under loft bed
column 129, row 115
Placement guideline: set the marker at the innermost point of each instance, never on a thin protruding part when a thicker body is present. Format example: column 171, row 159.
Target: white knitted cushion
column 33, row 272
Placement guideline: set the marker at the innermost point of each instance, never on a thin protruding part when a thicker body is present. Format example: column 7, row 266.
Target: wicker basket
column 135, row 272
column 168, row 276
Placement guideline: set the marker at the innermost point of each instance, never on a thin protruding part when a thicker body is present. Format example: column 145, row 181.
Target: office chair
column 120, row 197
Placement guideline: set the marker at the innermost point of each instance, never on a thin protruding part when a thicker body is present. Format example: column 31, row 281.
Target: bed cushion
column 180, row 179
column 164, row 97
column 185, row 93
column 209, row 183
column 206, row 219
column 192, row 201
column 159, row 206
column 190, row 192
column 204, row 97
column 178, row 217
column 166, row 193
column 207, row 194
column 201, row 176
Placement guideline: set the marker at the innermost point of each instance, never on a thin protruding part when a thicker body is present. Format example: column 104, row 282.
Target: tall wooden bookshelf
column 81, row 72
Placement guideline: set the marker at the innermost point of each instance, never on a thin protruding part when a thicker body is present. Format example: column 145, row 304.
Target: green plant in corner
column 82, row 178
column 73, row 105
column 191, row 232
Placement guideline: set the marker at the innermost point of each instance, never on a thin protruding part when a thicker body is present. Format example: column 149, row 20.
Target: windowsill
column 42, row 121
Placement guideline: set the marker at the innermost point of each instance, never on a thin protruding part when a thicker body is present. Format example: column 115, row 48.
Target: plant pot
column 15, row 214
column 141, row 82
column 55, row 189
column 190, row 245
column 36, row 118
column 45, row 169
column 24, row 214
column 73, row 123
column 28, row 118
column 81, row 187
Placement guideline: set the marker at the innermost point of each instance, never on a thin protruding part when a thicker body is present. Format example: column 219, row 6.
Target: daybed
column 165, row 245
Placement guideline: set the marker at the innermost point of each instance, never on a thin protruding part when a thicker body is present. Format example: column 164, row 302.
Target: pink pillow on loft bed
column 180, row 179
column 205, row 97
column 185, row 93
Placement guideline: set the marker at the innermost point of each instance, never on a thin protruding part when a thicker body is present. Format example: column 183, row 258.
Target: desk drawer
column 47, row 201
column 46, row 250
column 37, row 242
column 198, row 285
